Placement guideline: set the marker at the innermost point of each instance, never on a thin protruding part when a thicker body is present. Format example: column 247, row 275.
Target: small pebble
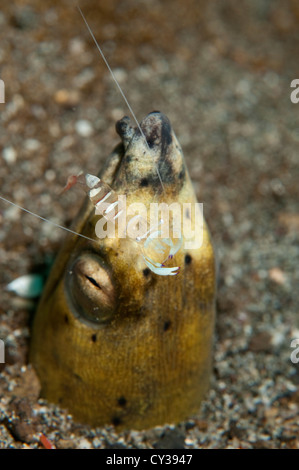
column 9, row 154
column 31, row 145
column 290, row 221
column 277, row 275
column 84, row 128
column 50, row 175
column 66, row 98
column 84, row 444
column 77, row 46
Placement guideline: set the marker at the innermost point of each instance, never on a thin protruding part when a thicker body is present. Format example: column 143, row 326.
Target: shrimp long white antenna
column 119, row 88
column 45, row 220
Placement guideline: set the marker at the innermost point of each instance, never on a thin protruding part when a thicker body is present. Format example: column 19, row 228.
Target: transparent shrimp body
column 155, row 248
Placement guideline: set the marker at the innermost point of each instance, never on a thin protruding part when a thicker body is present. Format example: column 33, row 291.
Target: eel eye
column 90, row 289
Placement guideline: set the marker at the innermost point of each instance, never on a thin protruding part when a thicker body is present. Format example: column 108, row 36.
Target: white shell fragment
column 28, row 286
